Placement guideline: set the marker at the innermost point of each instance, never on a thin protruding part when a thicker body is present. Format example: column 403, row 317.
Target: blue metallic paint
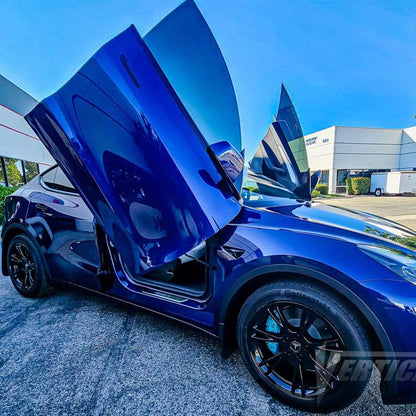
column 269, row 239
column 119, row 122
column 290, row 239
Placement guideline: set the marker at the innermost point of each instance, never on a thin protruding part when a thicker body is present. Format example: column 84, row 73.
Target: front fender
column 278, row 268
column 271, row 254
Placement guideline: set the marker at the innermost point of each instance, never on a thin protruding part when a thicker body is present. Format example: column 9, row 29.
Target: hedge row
column 4, row 191
column 358, row 186
column 322, row 188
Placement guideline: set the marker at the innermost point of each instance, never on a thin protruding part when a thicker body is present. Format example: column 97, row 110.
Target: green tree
column 13, row 174
column 31, row 170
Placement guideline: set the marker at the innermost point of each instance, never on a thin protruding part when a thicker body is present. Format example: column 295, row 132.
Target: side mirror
column 232, row 161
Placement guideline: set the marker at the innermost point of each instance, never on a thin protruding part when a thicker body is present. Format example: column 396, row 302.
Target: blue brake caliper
column 272, row 326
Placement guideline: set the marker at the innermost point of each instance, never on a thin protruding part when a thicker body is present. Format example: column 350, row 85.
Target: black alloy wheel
column 295, row 345
column 26, row 267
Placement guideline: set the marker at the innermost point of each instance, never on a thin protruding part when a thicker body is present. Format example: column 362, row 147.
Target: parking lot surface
column 76, row 354
column 401, row 209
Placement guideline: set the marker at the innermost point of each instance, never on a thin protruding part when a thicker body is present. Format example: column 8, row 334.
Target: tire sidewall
column 354, row 340
column 40, row 275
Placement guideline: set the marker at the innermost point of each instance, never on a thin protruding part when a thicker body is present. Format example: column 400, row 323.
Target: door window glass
column 57, row 180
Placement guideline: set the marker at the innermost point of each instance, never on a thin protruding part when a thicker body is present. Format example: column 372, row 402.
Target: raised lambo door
column 280, row 165
column 123, row 137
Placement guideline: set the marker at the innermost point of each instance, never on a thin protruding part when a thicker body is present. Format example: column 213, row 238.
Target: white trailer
column 394, row 183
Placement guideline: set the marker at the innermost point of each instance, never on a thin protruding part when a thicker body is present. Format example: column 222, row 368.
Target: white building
column 22, row 155
column 339, row 152
column 342, row 152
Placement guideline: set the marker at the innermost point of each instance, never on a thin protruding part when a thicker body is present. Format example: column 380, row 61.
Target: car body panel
column 335, row 221
column 291, row 238
column 122, row 136
column 267, row 239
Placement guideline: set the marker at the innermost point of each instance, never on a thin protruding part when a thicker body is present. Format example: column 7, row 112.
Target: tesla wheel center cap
column 295, row 346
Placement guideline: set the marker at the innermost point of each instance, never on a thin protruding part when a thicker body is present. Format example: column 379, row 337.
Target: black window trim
column 48, row 188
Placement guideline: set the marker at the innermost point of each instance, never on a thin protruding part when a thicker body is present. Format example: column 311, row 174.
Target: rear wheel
column 26, row 267
column 295, row 338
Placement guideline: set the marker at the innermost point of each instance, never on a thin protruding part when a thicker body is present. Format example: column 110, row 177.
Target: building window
column 354, row 173
column 342, row 176
column 31, row 170
column 324, row 177
column 368, row 172
column 14, row 171
column 3, row 181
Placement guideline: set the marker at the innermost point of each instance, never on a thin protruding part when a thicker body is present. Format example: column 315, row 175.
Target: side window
column 57, row 180
column 48, row 177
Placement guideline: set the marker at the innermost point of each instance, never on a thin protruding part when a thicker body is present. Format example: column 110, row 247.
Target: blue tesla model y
column 150, row 203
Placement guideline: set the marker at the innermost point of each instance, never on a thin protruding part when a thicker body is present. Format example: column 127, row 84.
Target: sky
column 343, row 63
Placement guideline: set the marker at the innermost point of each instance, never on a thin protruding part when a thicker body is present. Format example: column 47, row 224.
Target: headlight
column 398, row 261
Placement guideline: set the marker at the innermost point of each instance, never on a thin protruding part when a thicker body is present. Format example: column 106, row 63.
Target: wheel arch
column 11, row 231
column 247, row 284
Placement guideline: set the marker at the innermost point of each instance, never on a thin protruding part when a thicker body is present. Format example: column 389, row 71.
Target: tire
column 378, row 192
column 293, row 327
column 26, row 267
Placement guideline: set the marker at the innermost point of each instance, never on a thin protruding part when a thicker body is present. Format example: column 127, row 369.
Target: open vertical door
column 124, row 138
column 281, row 156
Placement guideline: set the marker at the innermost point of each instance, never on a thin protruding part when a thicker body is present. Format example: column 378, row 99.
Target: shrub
column 315, row 193
column 322, row 188
column 4, row 191
column 254, row 189
column 349, row 186
column 360, row 186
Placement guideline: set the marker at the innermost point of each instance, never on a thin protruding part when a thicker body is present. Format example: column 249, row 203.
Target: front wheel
column 26, row 267
column 298, row 339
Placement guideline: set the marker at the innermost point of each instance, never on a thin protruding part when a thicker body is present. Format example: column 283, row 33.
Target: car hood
column 338, row 222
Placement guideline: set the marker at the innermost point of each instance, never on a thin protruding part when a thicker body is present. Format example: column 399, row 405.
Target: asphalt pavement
column 76, row 354
column 73, row 353
column 401, row 209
